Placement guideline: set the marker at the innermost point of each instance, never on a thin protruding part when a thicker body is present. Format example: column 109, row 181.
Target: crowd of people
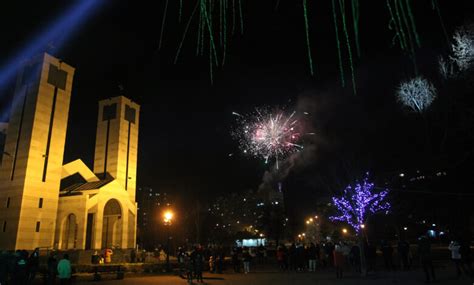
column 192, row 262
column 313, row 256
column 19, row 267
column 340, row 257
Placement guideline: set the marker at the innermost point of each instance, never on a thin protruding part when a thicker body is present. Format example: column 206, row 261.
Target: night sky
column 185, row 121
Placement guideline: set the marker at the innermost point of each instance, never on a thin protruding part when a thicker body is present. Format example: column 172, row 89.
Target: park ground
column 264, row 277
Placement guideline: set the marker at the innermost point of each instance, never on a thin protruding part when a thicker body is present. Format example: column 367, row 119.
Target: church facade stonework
column 46, row 204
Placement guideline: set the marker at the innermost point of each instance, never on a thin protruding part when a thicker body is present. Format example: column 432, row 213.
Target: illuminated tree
column 463, row 47
column 461, row 57
column 417, row 94
column 446, row 68
column 358, row 202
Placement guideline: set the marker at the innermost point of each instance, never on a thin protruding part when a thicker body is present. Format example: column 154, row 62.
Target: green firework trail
column 208, row 20
column 395, row 23
column 341, row 69
column 185, row 32
column 348, row 43
column 225, row 32
column 203, row 31
column 413, row 24
column 163, row 24
column 410, row 39
column 210, row 65
column 199, row 32
column 277, row 5
column 233, row 17
column 355, row 17
column 400, row 25
column 435, row 6
column 214, row 31
column 308, row 45
column 405, row 28
column 220, row 23
column 241, row 18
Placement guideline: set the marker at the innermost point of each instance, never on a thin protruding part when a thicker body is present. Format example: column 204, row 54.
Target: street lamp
column 344, row 231
column 167, row 218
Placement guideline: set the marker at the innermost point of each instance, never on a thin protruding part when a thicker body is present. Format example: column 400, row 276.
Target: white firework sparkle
column 417, row 94
column 268, row 135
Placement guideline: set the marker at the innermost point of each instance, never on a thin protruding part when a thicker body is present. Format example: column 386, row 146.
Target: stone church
column 47, row 204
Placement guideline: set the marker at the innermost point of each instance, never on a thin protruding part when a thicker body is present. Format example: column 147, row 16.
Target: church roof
column 76, row 188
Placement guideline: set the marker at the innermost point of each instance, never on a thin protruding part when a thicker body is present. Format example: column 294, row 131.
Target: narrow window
column 4, row 226
column 38, row 227
column 8, row 202
column 40, row 205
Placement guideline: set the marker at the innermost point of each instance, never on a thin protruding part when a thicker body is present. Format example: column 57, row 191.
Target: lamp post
column 168, row 217
column 313, row 229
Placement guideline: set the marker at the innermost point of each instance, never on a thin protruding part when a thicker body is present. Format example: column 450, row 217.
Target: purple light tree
column 358, row 202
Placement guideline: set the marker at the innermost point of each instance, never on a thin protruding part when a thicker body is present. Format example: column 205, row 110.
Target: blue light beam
column 57, row 32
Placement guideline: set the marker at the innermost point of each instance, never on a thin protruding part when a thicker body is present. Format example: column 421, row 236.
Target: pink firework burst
column 268, row 135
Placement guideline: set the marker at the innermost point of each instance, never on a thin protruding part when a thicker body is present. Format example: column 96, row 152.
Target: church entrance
column 69, row 236
column 112, row 225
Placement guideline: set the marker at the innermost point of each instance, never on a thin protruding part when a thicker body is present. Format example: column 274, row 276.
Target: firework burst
column 268, row 135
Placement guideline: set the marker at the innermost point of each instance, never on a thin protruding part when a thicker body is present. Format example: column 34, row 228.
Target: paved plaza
column 276, row 278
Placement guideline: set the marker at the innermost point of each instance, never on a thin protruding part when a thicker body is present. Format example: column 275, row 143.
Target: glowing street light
column 344, row 231
column 167, row 218
column 405, row 228
column 362, row 226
